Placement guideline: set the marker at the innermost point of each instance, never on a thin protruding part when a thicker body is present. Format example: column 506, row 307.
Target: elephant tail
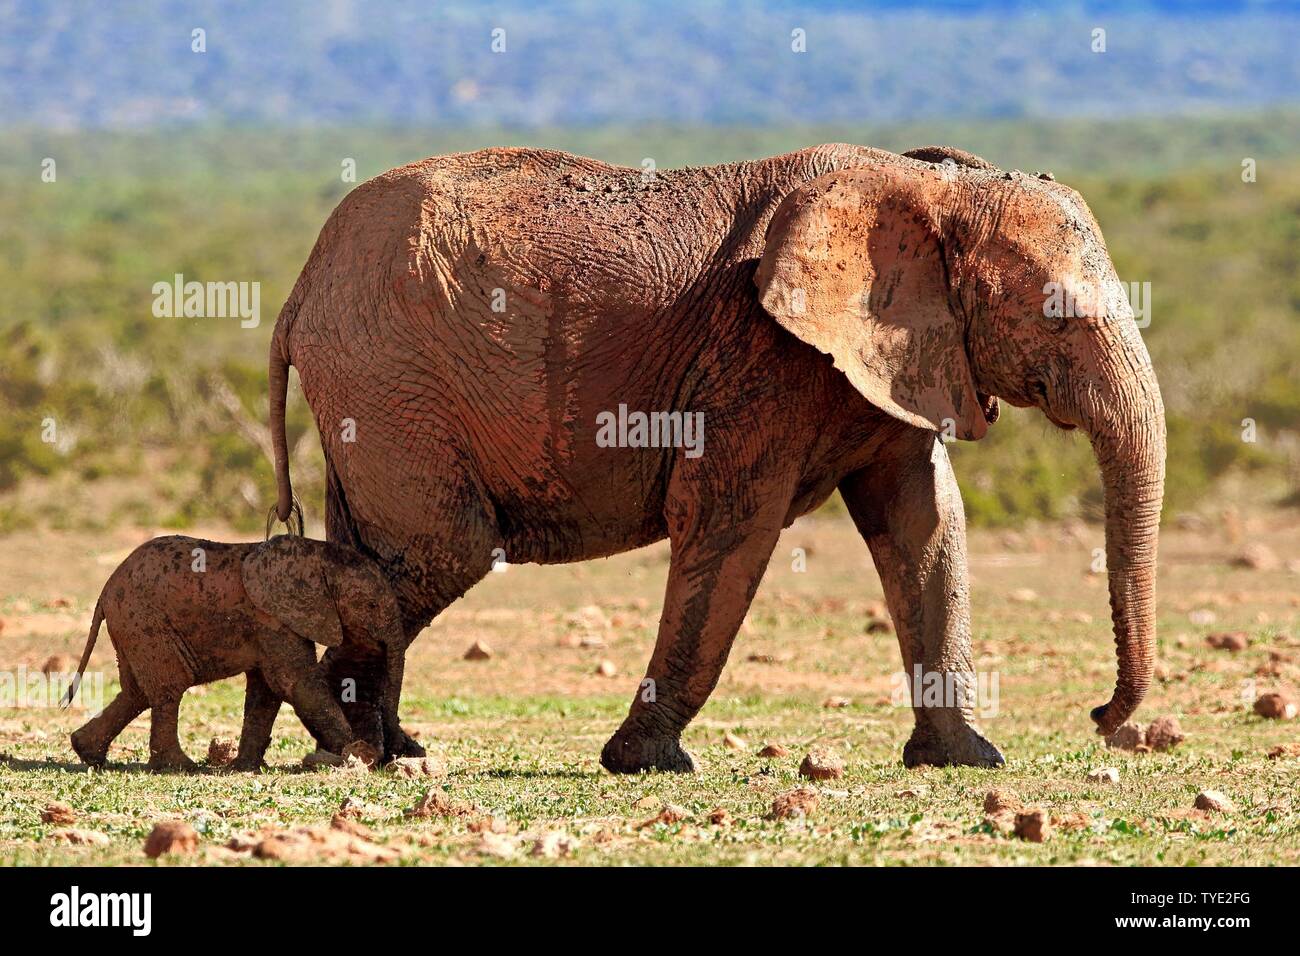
column 278, row 381
column 95, row 622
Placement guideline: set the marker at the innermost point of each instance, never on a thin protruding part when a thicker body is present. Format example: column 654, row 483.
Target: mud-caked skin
column 465, row 326
column 183, row 611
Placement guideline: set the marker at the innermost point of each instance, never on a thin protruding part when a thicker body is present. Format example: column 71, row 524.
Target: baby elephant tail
column 95, row 622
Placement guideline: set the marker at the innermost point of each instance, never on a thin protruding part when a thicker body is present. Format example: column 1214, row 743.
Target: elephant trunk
column 1127, row 427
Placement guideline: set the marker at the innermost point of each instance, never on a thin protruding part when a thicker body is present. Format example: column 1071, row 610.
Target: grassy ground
column 519, row 734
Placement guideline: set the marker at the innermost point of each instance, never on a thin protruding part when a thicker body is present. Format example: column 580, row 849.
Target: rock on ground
column 170, row 836
column 1214, row 801
column 1130, row 736
column 221, row 751
column 1104, row 775
column 822, row 764
column 58, row 813
column 1164, row 733
column 1275, row 706
column 795, row 804
column 1033, row 825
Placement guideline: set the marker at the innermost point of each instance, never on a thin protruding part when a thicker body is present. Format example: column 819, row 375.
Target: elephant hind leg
column 718, row 559
column 92, row 739
column 165, row 751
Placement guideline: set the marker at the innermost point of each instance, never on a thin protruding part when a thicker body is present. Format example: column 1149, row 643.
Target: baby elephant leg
column 91, row 740
column 319, row 712
column 164, row 745
column 261, row 704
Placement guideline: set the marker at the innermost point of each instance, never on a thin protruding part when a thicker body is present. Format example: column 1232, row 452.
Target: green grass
column 145, row 439
column 519, row 734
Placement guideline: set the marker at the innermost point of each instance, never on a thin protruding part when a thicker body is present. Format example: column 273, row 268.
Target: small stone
column 1164, row 733
column 835, row 703
column 555, row 844
column 1233, row 641
column 221, row 751
column 732, row 742
column 1202, row 617
column 1002, row 801
column 912, row 792
column 1023, row 596
column 436, row 803
column 879, row 626
column 80, row 837
column 719, row 818
column 1213, row 801
column 1130, row 736
column 347, row 824
column 353, row 808
column 795, row 804
column 1034, row 826
column 478, row 651
column 499, row 845
column 1257, row 557
column 606, row 669
column 773, row 750
column 410, row 767
column 322, row 758
column 822, row 765
column 171, row 836
column 362, row 751
column 670, row 814
column 58, row 813
column 1104, row 775
column 1275, row 706
column 1283, row 751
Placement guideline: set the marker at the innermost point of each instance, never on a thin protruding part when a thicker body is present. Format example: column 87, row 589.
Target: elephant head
column 939, row 281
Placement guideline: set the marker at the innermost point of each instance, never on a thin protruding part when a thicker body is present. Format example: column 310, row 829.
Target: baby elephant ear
column 854, row 266
column 288, row 578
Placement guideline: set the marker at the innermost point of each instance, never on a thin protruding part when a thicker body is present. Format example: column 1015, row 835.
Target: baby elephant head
column 320, row 591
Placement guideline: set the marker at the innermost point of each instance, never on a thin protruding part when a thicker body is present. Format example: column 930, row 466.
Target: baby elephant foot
column 90, row 752
column 632, row 752
column 964, row 746
column 246, row 764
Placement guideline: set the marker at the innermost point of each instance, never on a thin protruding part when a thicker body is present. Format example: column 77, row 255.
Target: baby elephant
column 182, row 611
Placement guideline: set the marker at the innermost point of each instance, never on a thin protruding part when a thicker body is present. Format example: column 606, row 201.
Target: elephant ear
column 289, row 578
column 854, row 266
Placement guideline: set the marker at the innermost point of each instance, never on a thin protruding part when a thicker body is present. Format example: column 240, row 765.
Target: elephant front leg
column 717, row 563
column 909, row 510
column 261, row 705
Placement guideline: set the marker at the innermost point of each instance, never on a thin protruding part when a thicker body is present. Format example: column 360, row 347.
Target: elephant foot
column 91, row 754
column 404, row 745
column 963, row 747
column 630, row 752
column 171, row 763
column 246, row 764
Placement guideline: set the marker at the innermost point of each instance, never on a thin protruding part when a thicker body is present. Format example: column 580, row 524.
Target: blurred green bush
column 162, row 421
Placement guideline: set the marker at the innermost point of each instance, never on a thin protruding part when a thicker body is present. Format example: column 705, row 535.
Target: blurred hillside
column 131, row 63
column 161, row 420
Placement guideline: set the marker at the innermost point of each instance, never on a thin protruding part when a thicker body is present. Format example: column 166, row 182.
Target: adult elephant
column 463, row 322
